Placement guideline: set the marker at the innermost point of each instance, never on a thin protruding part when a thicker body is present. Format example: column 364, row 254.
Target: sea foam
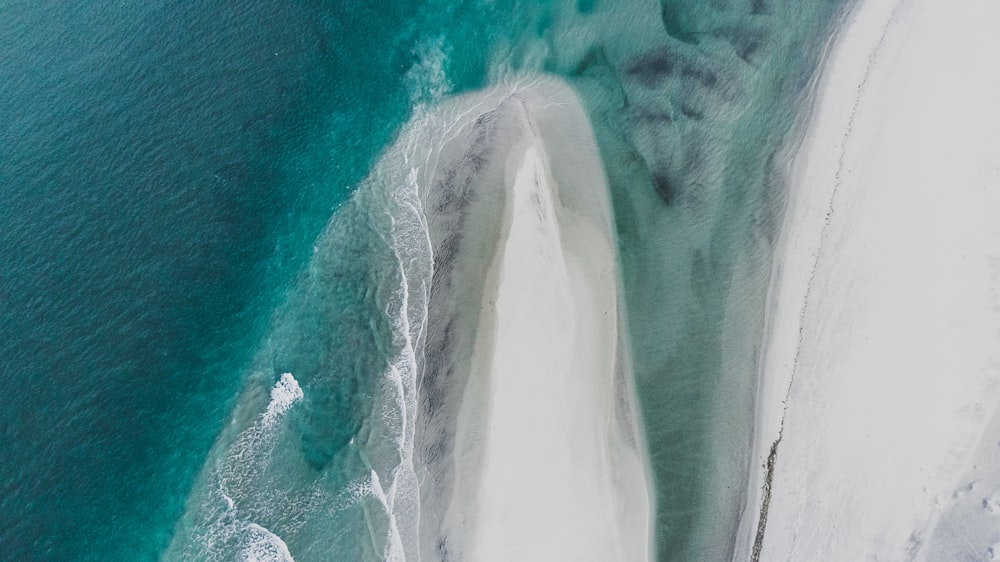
column 393, row 475
column 284, row 394
column 261, row 545
column 228, row 525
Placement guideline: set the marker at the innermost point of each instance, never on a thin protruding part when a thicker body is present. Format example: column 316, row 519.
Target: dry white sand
column 884, row 322
column 560, row 478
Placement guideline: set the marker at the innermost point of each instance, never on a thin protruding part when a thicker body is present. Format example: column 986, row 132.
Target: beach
column 547, row 462
column 880, row 377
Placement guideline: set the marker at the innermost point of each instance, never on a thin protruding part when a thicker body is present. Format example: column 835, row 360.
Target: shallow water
column 177, row 232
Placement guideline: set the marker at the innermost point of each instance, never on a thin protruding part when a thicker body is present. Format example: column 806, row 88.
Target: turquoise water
column 177, row 231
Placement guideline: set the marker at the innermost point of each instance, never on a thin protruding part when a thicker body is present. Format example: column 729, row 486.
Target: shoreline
column 827, row 109
column 876, row 373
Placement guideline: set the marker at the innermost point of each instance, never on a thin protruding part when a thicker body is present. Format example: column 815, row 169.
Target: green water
column 177, row 230
column 694, row 105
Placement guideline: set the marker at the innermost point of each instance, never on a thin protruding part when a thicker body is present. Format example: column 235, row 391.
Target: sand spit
column 525, row 433
column 881, row 375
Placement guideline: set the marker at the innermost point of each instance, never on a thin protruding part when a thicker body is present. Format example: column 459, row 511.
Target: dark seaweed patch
column 442, row 549
column 703, row 76
column 445, row 252
column 650, row 68
column 665, row 187
column 483, row 120
column 476, row 161
column 434, row 397
column 748, row 50
column 692, row 113
column 758, row 7
column 747, row 44
column 653, row 118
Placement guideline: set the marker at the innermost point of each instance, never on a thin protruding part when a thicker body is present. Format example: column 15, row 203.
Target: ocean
column 185, row 219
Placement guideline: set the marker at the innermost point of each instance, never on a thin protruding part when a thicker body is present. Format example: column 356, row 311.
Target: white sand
column 885, row 301
column 560, row 479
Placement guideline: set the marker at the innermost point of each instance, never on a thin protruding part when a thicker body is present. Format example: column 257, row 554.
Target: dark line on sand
column 758, row 542
column 772, row 458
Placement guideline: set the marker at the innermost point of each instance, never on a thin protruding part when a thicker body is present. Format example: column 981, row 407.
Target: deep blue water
column 166, row 169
